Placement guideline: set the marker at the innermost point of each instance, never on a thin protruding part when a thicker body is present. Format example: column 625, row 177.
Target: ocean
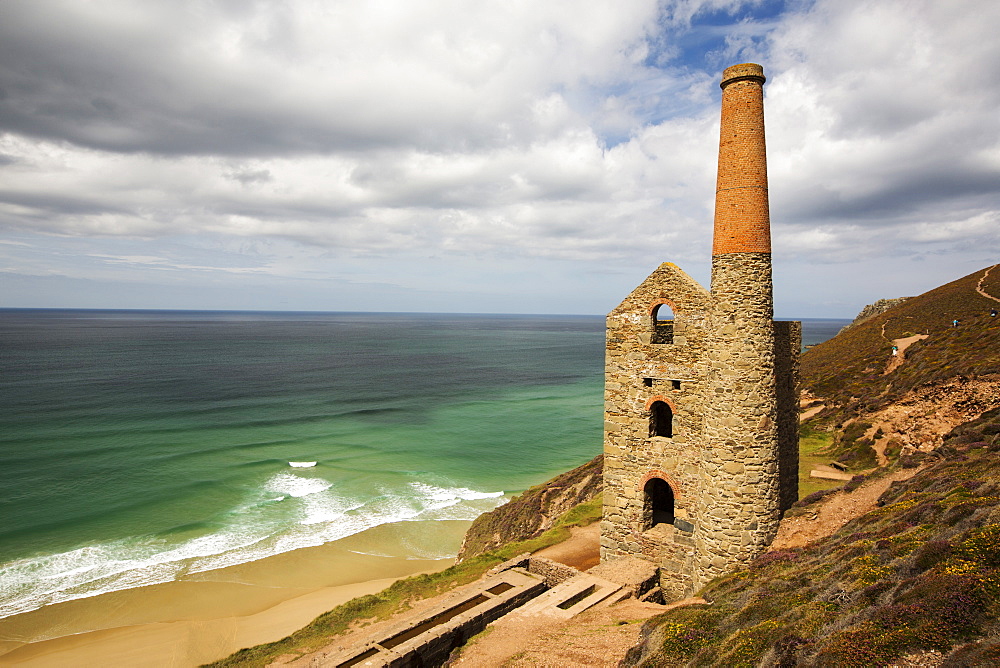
column 140, row 447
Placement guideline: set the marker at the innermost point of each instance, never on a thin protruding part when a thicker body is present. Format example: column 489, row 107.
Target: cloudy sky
column 487, row 156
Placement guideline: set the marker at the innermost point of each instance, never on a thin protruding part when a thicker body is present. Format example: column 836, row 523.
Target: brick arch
column 659, row 397
column 660, row 302
column 665, row 477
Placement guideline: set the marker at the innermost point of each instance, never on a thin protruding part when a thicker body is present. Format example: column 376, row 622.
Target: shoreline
column 207, row 616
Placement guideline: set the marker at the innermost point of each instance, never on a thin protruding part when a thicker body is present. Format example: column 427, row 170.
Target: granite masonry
column 701, row 389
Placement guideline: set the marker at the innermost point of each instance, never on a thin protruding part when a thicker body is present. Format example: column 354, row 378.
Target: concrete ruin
column 525, row 585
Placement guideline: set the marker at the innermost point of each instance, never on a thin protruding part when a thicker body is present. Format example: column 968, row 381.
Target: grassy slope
column 848, row 369
column 920, row 572
column 814, row 449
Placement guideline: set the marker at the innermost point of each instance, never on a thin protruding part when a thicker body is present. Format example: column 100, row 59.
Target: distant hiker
column 993, row 313
column 895, row 351
column 954, row 323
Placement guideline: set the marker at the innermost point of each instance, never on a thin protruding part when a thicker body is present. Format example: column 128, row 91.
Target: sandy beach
column 210, row 615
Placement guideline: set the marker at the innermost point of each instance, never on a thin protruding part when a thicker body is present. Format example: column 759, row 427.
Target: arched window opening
column 661, row 419
column 658, row 503
column 663, row 324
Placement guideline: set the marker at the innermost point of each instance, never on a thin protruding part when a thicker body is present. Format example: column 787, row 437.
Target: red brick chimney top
column 742, row 216
column 743, row 72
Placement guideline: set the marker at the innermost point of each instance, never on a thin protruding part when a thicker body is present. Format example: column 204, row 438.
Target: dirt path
column 839, row 509
column 879, row 444
column 582, row 550
column 806, row 409
column 979, row 286
column 809, row 412
column 900, row 356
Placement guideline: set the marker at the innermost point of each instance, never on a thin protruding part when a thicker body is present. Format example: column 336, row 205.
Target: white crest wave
column 309, row 512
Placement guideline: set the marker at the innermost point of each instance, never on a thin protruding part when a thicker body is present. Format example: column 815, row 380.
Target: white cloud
column 295, row 135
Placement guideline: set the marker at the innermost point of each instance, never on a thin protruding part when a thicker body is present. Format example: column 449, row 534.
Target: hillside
column 534, row 512
column 916, row 579
column 852, row 373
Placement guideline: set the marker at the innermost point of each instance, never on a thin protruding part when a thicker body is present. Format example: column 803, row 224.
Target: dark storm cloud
column 247, row 177
column 911, row 194
column 267, row 79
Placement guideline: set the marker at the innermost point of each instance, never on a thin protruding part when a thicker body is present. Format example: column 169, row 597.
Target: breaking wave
column 287, row 512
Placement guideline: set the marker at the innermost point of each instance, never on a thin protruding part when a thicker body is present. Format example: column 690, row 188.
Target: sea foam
column 312, row 511
column 296, row 486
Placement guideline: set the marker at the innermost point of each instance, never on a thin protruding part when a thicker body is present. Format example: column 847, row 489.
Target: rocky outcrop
column 881, row 306
column 921, row 418
column 535, row 511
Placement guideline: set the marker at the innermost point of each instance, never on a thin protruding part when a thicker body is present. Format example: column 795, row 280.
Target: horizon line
column 319, row 312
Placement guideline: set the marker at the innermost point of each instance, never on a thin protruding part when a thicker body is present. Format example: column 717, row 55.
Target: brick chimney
column 741, row 426
column 742, row 220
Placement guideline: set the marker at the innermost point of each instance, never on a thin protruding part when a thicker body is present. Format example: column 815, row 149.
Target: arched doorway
column 657, row 503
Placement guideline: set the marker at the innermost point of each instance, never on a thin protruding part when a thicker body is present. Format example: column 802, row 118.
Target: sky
column 497, row 156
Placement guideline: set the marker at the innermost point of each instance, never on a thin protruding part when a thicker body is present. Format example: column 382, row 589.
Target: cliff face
column 533, row 512
column 879, row 307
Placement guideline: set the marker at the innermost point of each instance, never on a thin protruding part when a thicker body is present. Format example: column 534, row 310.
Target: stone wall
column 551, row 572
column 639, row 372
column 740, row 509
column 732, row 461
column 787, row 344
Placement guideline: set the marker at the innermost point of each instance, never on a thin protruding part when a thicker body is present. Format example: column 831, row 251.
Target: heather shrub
column 681, row 640
column 984, row 653
column 893, row 448
column 854, row 483
column 931, row 553
column 813, row 498
column 748, row 644
column 774, row 557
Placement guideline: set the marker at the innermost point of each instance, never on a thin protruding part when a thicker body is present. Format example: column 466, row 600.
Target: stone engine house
column 701, row 388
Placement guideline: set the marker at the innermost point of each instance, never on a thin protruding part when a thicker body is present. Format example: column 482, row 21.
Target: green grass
column 815, row 448
column 401, row 594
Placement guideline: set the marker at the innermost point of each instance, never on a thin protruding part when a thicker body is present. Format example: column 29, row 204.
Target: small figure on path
column 954, row 323
column 895, row 351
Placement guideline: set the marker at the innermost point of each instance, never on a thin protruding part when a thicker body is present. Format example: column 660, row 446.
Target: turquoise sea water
column 136, row 447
